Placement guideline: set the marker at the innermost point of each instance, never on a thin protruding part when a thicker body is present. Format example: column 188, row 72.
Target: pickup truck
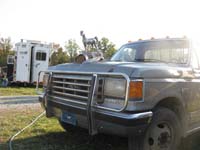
column 149, row 91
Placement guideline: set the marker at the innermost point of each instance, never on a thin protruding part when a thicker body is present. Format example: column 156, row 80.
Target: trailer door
column 41, row 63
column 23, row 64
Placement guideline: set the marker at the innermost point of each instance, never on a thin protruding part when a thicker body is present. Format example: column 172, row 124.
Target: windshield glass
column 168, row 51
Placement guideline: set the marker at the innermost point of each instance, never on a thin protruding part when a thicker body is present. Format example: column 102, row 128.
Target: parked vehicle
column 3, row 79
column 31, row 58
column 149, row 91
column 10, row 67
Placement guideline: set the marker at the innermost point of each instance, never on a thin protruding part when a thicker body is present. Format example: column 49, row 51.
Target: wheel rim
column 160, row 137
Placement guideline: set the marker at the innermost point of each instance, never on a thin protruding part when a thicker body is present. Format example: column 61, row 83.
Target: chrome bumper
column 119, row 123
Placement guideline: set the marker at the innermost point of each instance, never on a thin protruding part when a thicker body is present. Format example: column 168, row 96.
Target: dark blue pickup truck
column 148, row 91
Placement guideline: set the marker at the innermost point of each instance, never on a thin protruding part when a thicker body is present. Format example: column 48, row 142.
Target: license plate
column 68, row 118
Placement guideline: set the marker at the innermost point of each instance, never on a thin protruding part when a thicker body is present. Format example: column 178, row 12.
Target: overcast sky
column 118, row 20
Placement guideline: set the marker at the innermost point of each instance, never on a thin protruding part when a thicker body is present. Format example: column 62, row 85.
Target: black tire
column 164, row 132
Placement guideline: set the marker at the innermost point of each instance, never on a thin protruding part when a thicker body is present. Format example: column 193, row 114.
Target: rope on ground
column 13, row 137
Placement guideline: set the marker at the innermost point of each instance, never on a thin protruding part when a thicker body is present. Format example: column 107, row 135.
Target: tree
column 5, row 50
column 72, row 48
column 59, row 57
column 5, row 44
column 107, row 47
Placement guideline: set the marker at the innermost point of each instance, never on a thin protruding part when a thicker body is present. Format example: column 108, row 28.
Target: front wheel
column 164, row 132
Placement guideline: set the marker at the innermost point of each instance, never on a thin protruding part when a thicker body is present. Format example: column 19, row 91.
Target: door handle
column 37, row 65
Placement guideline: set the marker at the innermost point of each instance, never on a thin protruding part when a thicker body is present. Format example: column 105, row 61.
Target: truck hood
column 132, row 69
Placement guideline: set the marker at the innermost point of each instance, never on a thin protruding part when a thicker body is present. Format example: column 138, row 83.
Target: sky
column 119, row 20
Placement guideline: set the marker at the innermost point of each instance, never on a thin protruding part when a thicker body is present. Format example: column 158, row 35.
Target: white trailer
column 31, row 58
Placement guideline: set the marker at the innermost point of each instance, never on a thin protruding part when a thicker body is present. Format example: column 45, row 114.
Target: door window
column 41, row 56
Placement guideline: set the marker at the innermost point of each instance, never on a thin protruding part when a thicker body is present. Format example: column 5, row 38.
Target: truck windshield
column 167, row 51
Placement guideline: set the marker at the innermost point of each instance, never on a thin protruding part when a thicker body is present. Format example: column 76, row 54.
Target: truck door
column 41, row 62
column 23, row 64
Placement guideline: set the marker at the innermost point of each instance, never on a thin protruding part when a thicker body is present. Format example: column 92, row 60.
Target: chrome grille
column 71, row 87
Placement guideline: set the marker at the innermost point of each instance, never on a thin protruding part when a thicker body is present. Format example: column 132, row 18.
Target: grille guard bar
column 96, row 74
column 38, row 82
column 90, row 107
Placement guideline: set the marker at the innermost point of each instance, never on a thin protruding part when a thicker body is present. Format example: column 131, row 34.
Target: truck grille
column 71, row 87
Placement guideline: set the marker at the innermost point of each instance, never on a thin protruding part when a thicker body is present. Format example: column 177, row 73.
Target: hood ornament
column 92, row 50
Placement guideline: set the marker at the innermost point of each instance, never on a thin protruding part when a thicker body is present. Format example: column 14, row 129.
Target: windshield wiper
column 150, row 60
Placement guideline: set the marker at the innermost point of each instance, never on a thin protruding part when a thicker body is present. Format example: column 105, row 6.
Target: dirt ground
column 19, row 107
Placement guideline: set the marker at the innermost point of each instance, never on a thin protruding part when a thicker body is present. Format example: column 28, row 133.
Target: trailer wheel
column 164, row 133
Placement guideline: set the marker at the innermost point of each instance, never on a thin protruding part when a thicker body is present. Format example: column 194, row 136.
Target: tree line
column 64, row 54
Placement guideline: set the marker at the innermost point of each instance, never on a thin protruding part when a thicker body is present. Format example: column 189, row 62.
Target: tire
column 164, row 132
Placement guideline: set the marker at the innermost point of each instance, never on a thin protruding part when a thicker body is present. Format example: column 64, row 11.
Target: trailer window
column 10, row 59
column 41, row 56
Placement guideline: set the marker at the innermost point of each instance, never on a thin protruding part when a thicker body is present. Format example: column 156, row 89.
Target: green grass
column 16, row 91
column 46, row 134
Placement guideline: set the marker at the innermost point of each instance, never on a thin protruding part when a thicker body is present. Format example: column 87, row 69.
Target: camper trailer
column 31, row 58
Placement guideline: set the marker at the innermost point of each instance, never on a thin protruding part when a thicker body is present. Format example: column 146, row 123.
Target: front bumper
column 119, row 123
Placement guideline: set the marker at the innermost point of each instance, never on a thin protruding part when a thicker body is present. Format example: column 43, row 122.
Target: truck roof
column 157, row 40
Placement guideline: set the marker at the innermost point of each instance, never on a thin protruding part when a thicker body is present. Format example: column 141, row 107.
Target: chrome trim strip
column 72, row 77
column 141, row 115
column 87, row 73
column 72, row 83
column 68, row 100
column 71, row 95
column 70, row 89
column 73, row 106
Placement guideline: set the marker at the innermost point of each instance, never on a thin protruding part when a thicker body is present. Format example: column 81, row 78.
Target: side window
column 129, row 54
column 41, row 56
column 10, row 59
column 176, row 55
column 152, row 54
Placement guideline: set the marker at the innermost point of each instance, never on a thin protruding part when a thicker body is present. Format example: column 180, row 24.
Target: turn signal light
column 136, row 90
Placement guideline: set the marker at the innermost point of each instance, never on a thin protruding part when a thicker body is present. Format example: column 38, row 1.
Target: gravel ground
column 6, row 107
column 18, row 99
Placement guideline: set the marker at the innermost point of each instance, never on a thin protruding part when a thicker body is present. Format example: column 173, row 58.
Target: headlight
column 45, row 80
column 114, row 93
column 115, row 87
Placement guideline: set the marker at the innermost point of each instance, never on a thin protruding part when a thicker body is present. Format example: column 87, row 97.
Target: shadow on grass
column 78, row 140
